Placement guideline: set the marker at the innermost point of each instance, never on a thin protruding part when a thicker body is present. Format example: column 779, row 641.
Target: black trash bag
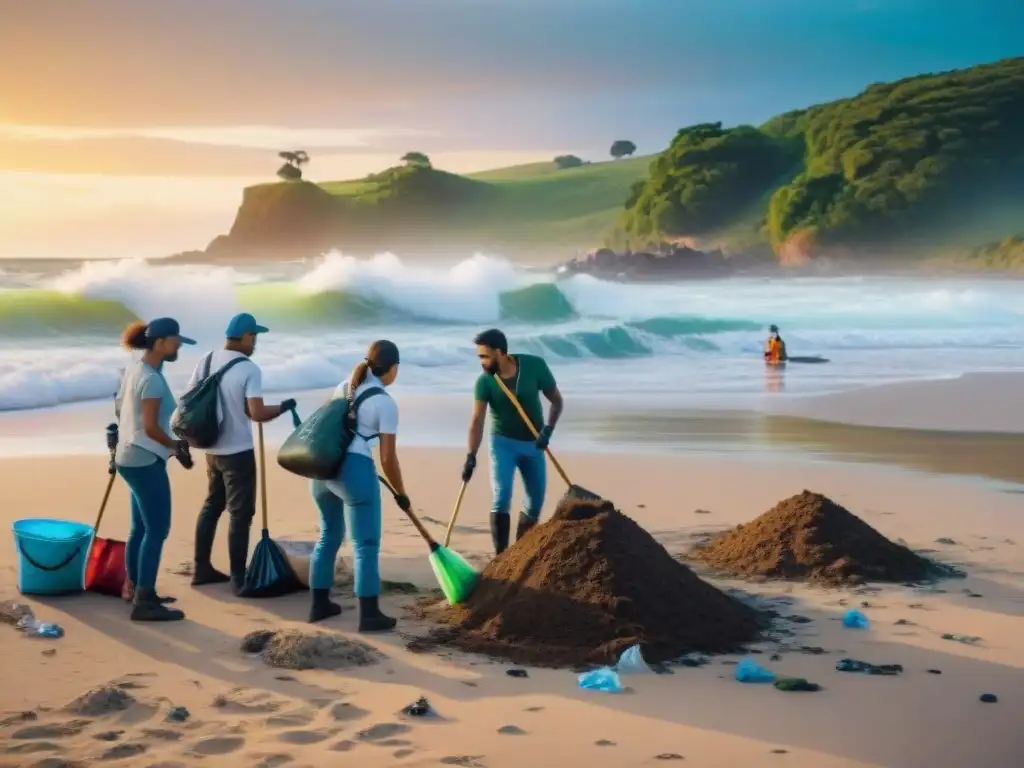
column 195, row 419
column 269, row 573
column 317, row 447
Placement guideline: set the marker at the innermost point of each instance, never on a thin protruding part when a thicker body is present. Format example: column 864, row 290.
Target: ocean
column 682, row 344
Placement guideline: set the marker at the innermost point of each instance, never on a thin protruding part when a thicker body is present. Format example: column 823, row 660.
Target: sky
column 116, row 93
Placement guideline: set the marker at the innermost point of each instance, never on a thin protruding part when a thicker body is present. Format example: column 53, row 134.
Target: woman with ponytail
column 355, row 495
column 144, row 408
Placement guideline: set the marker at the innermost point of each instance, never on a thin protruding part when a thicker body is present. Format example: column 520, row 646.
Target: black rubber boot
column 238, row 551
column 525, row 524
column 500, row 525
column 370, row 617
column 321, row 606
column 205, row 573
column 147, row 607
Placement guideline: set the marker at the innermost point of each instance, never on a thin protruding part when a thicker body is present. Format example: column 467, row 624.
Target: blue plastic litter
column 749, row 671
column 854, row 619
column 52, row 555
column 604, row 679
column 631, row 662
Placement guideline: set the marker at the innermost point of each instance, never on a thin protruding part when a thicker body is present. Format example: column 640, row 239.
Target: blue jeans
column 150, row 491
column 508, row 455
column 355, row 495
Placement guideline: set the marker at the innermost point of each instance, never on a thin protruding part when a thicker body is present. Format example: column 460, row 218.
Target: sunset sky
column 212, row 88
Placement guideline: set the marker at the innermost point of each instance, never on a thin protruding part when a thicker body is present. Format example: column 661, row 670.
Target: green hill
column 522, row 207
column 923, row 161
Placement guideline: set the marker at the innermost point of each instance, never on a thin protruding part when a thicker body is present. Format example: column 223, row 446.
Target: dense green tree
column 568, row 161
column 293, row 162
column 416, row 159
column 882, row 165
column 622, row 148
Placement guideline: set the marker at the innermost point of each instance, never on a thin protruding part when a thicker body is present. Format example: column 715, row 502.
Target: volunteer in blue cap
column 144, row 406
column 231, row 461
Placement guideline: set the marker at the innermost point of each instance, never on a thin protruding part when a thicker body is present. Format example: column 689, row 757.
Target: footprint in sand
column 344, row 746
column 218, row 745
column 604, row 743
column 57, row 762
column 300, row 738
column 398, row 754
column 269, row 761
column 33, row 747
column 52, row 731
column 466, row 761
column 511, row 730
column 382, row 731
column 122, row 751
column 344, row 712
column 245, row 701
column 161, row 734
column 292, row 719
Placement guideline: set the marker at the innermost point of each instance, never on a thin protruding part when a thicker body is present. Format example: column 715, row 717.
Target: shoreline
column 192, row 663
column 970, row 426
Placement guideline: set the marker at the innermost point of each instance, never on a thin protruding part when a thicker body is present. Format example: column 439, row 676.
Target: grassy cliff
column 914, row 163
column 523, row 207
column 931, row 164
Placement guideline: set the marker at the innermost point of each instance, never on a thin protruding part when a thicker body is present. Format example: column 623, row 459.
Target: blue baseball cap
column 243, row 323
column 163, row 327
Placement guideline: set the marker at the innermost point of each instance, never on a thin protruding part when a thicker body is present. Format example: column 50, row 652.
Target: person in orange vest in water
column 775, row 347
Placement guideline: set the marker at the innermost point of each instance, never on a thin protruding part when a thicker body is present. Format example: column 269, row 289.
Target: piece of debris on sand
column 583, row 587
column 811, row 537
column 294, row 649
column 101, row 701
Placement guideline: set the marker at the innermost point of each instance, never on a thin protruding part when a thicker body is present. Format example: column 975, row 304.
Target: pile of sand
column 585, row 586
column 809, row 536
column 292, row 649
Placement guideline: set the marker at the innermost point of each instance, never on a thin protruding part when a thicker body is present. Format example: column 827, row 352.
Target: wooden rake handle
column 263, row 477
column 409, row 513
column 529, row 426
column 455, row 515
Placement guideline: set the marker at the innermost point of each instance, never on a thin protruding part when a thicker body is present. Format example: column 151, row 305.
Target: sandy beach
column 246, row 712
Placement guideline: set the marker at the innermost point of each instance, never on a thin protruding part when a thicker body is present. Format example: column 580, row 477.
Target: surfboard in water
column 811, row 359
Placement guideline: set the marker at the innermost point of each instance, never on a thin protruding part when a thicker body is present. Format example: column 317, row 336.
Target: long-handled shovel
column 105, row 568
column 456, row 577
column 575, row 491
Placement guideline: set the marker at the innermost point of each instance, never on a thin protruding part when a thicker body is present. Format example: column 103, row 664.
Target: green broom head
column 457, row 578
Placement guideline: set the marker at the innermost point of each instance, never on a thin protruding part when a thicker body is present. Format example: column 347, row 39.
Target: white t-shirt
column 377, row 415
column 243, row 381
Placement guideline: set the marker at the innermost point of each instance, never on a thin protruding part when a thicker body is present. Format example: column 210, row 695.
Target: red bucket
column 105, row 571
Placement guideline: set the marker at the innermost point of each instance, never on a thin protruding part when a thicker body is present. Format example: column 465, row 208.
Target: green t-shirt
column 532, row 378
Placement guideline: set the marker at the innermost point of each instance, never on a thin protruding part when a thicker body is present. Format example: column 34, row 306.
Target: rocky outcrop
column 295, row 218
column 674, row 261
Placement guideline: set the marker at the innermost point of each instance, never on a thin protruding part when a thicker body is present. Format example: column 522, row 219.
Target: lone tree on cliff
column 293, row 162
column 416, row 160
column 622, row 148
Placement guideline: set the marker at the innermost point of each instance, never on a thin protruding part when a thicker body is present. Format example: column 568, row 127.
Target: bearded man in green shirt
column 513, row 445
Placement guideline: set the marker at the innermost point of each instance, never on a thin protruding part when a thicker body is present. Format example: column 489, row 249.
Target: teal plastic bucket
column 52, row 555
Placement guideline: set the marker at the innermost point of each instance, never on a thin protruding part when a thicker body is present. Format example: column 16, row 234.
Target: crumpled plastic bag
column 749, row 671
column 604, row 679
column 854, row 619
column 631, row 662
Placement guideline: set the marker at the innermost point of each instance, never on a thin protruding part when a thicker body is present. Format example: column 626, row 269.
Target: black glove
column 288, row 405
column 112, row 438
column 545, row 437
column 468, row 467
column 403, row 502
column 183, row 454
